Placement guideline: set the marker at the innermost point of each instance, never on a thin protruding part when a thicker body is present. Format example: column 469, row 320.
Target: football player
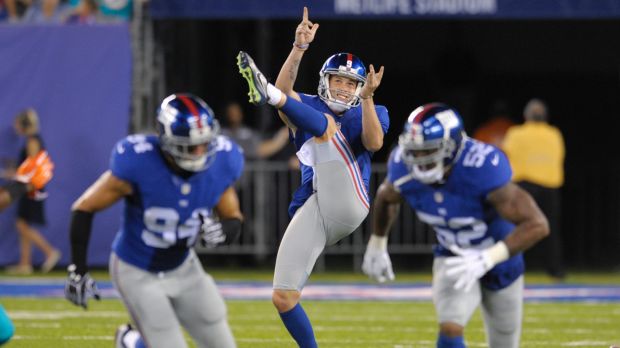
column 33, row 174
column 483, row 222
column 335, row 133
column 171, row 185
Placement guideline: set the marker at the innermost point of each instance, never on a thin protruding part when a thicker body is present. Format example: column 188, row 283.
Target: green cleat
column 256, row 80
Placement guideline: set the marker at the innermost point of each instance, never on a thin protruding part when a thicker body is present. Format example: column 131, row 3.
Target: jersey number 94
column 164, row 231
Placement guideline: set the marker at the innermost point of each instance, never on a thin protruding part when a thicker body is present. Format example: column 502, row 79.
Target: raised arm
column 304, row 35
column 372, row 133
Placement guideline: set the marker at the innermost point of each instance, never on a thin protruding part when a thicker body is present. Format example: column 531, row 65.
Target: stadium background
column 564, row 52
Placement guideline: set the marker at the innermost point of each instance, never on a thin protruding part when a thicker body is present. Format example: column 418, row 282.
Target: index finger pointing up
column 305, row 17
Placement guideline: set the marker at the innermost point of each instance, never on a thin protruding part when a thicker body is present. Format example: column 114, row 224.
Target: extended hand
column 468, row 265
column 373, row 80
column 377, row 264
column 304, row 34
column 79, row 286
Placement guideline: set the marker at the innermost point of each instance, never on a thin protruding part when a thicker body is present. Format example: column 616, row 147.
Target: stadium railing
column 265, row 191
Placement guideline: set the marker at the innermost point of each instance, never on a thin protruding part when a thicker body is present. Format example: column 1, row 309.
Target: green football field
column 53, row 322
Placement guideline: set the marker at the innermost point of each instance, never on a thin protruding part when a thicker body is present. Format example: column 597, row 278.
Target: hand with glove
column 469, row 265
column 79, row 286
column 377, row 264
column 214, row 232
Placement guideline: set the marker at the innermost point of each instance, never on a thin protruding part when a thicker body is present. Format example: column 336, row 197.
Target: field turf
column 53, row 322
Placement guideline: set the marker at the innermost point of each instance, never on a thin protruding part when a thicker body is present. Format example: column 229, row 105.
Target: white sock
column 131, row 338
column 274, row 94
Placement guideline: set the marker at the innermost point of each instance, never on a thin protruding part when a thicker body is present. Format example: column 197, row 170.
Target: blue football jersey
column 350, row 124
column 458, row 210
column 161, row 221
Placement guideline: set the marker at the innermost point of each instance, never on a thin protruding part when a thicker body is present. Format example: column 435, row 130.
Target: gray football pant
column 331, row 213
column 160, row 303
column 502, row 309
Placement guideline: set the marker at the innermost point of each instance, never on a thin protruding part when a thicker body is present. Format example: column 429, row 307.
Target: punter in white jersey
column 173, row 186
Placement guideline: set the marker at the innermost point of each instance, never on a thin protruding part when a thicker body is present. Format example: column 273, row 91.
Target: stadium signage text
column 417, row 7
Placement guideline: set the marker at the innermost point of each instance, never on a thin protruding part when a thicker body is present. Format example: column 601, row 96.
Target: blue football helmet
column 431, row 141
column 188, row 131
column 341, row 64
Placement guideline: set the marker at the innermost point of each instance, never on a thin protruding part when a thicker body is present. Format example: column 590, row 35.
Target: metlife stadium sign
column 388, row 9
column 415, row 7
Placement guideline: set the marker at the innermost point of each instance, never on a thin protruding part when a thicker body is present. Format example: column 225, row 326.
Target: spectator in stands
column 30, row 209
column 536, row 151
column 14, row 9
column 494, row 129
column 33, row 11
column 253, row 146
column 115, row 10
column 85, row 13
column 4, row 13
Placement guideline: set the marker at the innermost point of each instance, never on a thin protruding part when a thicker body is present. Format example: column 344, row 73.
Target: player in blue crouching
column 462, row 188
column 173, row 186
column 335, row 134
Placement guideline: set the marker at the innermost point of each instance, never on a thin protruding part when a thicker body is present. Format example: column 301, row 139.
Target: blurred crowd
column 256, row 145
column 65, row 11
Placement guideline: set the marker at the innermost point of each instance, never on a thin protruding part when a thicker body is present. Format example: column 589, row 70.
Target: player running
column 462, row 188
column 171, row 185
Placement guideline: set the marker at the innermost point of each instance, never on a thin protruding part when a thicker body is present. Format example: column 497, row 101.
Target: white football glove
column 211, row 234
column 469, row 265
column 377, row 264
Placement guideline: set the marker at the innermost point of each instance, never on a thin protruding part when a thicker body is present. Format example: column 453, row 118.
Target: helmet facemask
column 185, row 151
column 328, row 94
column 428, row 160
column 345, row 65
